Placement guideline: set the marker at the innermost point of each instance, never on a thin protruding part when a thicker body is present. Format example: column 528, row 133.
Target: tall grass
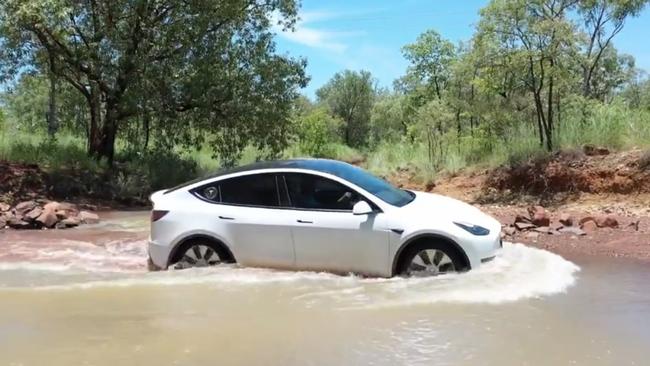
column 610, row 125
column 613, row 126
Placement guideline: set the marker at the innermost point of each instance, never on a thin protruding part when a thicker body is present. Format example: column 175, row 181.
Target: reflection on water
column 84, row 297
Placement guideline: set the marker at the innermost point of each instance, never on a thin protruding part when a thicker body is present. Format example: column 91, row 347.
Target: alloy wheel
column 198, row 255
column 430, row 262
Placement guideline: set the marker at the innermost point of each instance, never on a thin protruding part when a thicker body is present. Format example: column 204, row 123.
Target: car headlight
column 473, row 229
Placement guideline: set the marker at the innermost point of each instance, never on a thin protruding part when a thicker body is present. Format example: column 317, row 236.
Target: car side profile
column 318, row 215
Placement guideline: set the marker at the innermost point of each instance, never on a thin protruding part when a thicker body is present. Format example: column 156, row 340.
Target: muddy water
column 83, row 297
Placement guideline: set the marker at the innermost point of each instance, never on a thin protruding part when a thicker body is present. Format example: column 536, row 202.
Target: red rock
column 585, row 219
column 3, row 222
column 61, row 214
column 4, row 207
column 70, row 222
column 33, row 214
column 88, row 217
column 16, row 223
column 606, row 221
column 589, row 226
column 573, row 230
column 522, row 218
column 523, row 226
column 538, row 216
column 48, row 218
column 566, row 219
column 509, row 230
column 52, row 205
column 543, row 229
column 24, row 207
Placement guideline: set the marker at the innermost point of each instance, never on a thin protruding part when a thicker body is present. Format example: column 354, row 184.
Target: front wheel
column 199, row 254
column 430, row 259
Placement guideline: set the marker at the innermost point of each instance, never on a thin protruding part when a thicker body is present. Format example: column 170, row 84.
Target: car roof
column 320, row 165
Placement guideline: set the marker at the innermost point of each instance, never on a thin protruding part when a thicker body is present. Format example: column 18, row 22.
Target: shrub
column 316, row 131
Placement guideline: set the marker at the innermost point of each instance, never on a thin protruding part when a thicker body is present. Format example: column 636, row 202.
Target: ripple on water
column 519, row 272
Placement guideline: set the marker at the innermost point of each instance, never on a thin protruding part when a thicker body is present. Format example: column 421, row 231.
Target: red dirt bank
column 569, row 183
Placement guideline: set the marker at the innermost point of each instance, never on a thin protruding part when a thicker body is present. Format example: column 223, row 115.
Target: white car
column 318, row 215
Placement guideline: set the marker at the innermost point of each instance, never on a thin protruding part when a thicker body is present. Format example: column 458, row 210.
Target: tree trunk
column 103, row 128
column 145, row 121
column 540, row 115
column 549, row 117
column 52, row 119
column 586, row 82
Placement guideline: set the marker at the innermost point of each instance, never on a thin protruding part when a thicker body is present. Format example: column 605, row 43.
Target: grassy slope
column 612, row 126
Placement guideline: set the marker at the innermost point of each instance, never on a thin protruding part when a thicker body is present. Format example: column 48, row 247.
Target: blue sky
column 368, row 34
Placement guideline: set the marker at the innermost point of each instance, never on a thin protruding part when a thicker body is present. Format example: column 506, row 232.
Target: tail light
column 157, row 215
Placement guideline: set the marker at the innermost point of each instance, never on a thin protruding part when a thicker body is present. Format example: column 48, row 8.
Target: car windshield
column 376, row 186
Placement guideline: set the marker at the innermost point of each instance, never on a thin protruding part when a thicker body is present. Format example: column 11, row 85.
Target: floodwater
column 84, row 297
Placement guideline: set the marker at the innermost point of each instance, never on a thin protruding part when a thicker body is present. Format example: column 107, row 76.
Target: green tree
column 27, row 103
column 428, row 74
column 637, row 92
column 432, row 121
column 205, row 65
column 316, row 130
column 602, row 20
column 537, row 40
column 350, row 96
column 389, row 118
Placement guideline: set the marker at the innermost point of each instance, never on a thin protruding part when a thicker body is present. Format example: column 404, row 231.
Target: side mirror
column 361, row 208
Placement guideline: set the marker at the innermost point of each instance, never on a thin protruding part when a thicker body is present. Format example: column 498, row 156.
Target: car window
column 249, row 190
column 313, row 192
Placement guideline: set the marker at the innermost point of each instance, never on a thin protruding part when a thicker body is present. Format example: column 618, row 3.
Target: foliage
column 431, row 57
column 350, row 95
column 27, row 104
column 389, row 119
column 316, row 130
column 178, row 88
column 205, row 66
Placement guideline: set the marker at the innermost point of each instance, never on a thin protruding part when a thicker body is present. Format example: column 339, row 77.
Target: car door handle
column 305, row 221
column 226, row 218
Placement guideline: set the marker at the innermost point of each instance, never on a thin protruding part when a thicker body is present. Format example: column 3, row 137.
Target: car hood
column 429, row 206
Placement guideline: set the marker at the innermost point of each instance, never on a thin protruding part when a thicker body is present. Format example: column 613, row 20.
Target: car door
column 247, row 214
column 326, row 235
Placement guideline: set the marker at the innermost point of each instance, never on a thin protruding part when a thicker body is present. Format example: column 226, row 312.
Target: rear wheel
column 430, row 259
column 200, row 253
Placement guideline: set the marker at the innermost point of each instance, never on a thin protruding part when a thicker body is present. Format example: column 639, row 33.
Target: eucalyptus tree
column 537, row 40
column 429, row 72
column 196, row 66
column 350, row 96
column 601, row 21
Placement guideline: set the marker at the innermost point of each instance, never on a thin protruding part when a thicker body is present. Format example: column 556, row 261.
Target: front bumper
column 483, row 249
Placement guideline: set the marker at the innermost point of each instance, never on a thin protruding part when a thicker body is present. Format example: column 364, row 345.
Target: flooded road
column 83, row 297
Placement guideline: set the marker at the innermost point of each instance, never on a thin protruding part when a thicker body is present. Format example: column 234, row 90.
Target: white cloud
column 315, row 38
column 308, row 34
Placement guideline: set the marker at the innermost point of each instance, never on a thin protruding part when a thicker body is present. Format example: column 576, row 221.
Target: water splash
column 519, row 272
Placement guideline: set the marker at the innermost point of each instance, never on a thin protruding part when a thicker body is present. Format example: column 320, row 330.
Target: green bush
column 316, row 131
column 143, row 173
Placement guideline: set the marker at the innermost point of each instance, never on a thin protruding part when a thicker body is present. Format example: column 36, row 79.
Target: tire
column 430, row 258
column 200, row 252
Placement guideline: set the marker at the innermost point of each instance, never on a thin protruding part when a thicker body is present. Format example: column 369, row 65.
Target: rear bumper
column 158, row 256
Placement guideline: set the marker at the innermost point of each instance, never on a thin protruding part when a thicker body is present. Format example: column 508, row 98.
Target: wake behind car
column 320, row 215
